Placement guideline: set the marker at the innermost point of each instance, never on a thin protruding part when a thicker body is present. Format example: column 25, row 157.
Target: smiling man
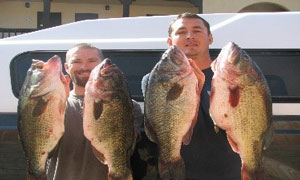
column 80, row 61
column 192, row 34
column 74, row 158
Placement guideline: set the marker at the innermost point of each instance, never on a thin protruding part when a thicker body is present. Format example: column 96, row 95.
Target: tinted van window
column 134, row 65
column 281, row 68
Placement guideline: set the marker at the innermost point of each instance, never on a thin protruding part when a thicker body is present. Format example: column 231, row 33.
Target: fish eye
column 38, row 64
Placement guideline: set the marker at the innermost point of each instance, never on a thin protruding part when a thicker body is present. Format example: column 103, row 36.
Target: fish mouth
column 39, row 64
column 107, row 68
column 230, row 54
column 55, row 61
column 233, row 51
column 106, row 63
column 176, row 55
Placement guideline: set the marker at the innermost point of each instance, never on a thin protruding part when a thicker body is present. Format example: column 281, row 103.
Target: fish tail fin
column 258, row 174
column 172, row 170
column 31, row 176
column 127, row 176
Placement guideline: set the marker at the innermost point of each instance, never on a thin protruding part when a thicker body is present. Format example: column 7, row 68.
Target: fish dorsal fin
column 145, row 83
column 149, row 131
column 188, row 137
column 233, row 144
column 99, row 156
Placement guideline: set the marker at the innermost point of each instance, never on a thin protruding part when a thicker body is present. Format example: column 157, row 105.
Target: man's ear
column 66, row 68
column 210, row 38
column 169, row 41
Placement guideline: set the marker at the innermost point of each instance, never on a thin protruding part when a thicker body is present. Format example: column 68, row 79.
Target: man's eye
column 181, row 32
column 75, row 62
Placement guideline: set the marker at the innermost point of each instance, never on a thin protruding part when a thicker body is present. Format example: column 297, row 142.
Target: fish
column 108, row 119
column 171, row 103
column 41, row 110
column 241, row 104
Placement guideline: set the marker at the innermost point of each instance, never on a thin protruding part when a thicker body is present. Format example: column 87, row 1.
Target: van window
column 134, row 65
column 281, row 68
column 22, row 62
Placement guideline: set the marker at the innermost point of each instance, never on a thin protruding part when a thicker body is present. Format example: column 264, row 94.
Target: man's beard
column 80, row 81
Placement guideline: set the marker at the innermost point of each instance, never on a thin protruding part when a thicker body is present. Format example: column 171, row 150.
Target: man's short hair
column 85, row 46
column 190, row 16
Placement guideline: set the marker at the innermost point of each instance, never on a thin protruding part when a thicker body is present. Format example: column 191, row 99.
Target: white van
column 271, row 39
column 136, row 44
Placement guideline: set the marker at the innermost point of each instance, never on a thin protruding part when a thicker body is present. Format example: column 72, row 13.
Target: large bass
column 240, row 103
column 41, row 112
column 108, row 119
column 172, row 98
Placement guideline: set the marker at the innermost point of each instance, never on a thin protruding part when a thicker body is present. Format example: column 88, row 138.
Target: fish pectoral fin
column 268, row 136
column 54, row 150
column 99, row 155
column 145, row 83
column 40, row 107
column 232, row 143
column 187, row 137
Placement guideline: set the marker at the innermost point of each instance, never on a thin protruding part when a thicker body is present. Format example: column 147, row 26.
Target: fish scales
column 43, row 130
column 111, row 130
column 173, row 114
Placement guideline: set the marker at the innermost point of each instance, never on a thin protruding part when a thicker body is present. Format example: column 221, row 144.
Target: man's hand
column 66, row 82
column 200, row 75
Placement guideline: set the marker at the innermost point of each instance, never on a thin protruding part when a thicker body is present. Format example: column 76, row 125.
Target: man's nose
column 84, row 66
column 189, row 35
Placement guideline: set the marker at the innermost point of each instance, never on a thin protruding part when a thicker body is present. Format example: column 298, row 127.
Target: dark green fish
column 171, row 109
column 108, row 119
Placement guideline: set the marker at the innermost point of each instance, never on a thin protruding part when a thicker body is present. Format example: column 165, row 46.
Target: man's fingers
column 200, row 75
column 66, row 81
